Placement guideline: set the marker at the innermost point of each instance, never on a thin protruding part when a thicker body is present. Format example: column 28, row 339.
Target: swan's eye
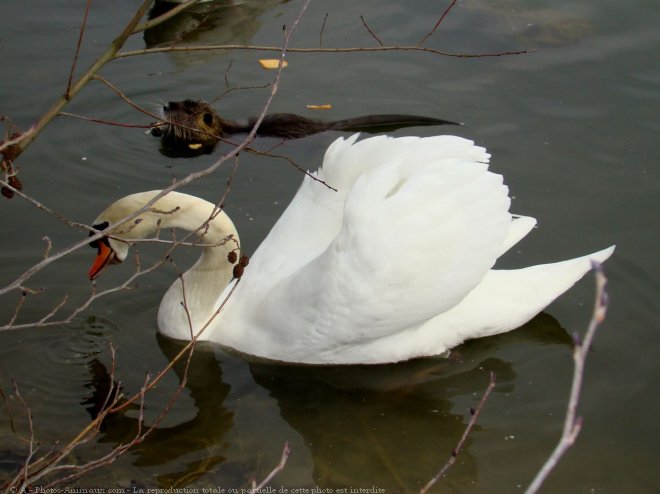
column 100, row 226
column 208, row 119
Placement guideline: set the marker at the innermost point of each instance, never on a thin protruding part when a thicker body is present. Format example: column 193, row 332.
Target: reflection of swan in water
column 202, row 434
column 362, row 436
column 207, row 23
column 394, row 426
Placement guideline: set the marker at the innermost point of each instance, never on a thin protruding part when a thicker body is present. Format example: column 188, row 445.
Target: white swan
column 394, row 265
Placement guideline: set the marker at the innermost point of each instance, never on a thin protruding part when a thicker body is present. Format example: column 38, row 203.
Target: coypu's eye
column 208, row 119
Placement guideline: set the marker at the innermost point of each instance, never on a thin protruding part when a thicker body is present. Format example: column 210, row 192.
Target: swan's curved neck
column 190, row 301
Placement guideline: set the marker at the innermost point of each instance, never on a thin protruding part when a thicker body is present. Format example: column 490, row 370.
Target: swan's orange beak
column 104, row 257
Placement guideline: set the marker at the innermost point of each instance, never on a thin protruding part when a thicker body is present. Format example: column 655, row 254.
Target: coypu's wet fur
column 195, row 126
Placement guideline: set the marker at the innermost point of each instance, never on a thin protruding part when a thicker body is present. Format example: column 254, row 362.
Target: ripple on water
column 52, row 371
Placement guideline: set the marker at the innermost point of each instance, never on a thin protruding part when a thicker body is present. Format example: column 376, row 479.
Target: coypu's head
column 189, row 125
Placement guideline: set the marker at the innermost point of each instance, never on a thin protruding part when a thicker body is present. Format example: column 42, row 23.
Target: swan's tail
column 507, row 299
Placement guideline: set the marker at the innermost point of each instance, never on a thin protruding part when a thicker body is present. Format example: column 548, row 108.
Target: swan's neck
column 190, row 301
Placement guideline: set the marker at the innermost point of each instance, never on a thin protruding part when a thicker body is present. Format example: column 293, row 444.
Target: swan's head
column 121, row 226
column 113, row 247
column 109, row 251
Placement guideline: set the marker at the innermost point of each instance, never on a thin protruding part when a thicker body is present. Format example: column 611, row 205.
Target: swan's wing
column 419, row 232
column 310, row 222
column 315, row 215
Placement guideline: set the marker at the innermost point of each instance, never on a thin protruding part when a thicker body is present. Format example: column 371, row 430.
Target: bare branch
column 357, row 49
column 474, row 412
column 573, row 423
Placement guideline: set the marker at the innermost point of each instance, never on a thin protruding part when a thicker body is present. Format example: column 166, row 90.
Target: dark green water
column 573, row 127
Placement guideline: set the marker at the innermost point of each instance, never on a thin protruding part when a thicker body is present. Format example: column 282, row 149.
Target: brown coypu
column 193, row 126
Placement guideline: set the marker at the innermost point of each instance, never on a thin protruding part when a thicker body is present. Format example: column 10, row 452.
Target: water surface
column 572, row 126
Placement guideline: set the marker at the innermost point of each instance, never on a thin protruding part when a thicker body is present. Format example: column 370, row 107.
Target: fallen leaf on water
column 272, row 63
column 195, row 145
column 327, row 106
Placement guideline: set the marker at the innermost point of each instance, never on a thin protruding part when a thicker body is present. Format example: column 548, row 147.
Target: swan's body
column 394, row 265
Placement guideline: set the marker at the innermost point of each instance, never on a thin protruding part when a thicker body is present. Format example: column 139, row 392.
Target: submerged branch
column 474, row 414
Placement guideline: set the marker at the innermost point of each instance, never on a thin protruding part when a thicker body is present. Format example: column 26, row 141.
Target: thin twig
column 325, row 18
column 231, row 62
column 437, row 24
column 17, row 309
column 49, row 245
column 105, row 122
column 44, row 208
column 123, row 96
column 474, row 412
column 54, row 310
column 373, row 34
column 83, row 25
column 278, row 468
column 292, row 162
column 22, row 477
column 573, row 423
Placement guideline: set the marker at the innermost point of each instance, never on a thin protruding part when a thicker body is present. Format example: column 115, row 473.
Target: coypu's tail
column 291, row 126
column 386, row 123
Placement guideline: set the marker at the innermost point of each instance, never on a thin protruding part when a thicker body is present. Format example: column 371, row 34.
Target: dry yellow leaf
column 327, row 106
column 195, row 145
column 272, row 63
